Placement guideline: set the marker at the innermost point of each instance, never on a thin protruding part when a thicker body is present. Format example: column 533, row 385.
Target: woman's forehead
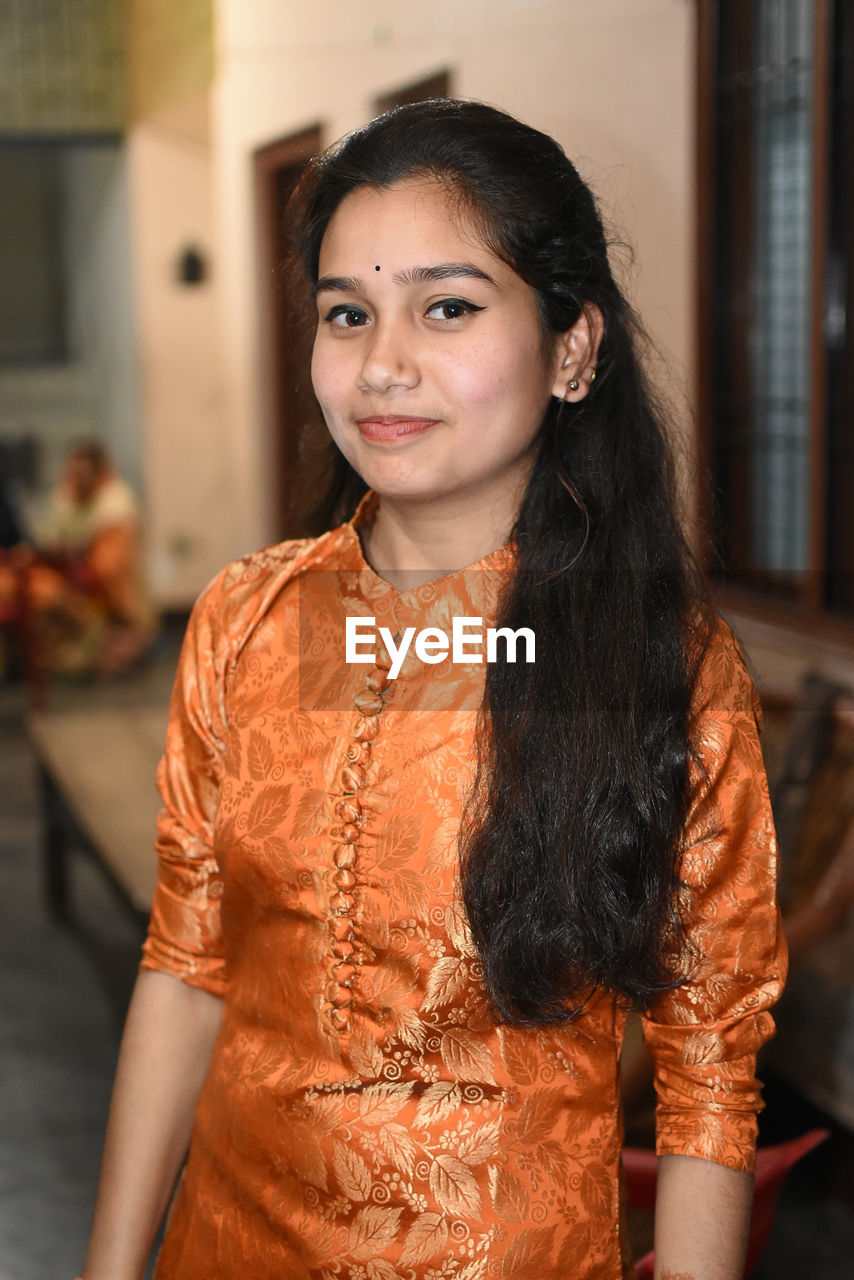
column 388, row 225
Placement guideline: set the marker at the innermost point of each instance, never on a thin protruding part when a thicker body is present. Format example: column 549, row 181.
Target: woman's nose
column 390, row 360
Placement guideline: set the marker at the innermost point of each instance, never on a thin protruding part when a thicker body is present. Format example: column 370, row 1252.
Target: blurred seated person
column 85, row 595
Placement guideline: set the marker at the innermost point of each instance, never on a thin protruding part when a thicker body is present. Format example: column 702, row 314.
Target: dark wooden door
column 293, row 421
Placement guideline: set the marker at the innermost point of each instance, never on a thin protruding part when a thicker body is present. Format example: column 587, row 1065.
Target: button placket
column 344, row 942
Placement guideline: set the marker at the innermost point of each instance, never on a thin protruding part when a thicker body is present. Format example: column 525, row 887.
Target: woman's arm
column 166, row 1049
column 702, row 1220
column 704, row 1034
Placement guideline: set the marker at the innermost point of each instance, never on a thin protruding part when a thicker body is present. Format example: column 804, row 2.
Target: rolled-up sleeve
column 704, row 1035
column 184, row 935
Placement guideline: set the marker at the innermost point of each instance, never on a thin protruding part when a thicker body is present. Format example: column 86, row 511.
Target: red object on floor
column 772, row 1167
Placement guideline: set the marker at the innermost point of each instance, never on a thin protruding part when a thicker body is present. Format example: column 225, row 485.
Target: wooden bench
column 97, row 770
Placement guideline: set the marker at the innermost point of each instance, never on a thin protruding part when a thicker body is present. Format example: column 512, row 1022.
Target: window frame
column 804, row 612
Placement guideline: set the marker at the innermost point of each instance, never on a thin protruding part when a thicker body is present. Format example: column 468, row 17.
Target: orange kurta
column 363, row 1117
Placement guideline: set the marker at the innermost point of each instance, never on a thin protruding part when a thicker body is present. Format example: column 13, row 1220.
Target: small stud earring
column 592, row 375
column 572, row 385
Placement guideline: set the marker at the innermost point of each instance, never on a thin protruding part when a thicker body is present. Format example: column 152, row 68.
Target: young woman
column 405, row 902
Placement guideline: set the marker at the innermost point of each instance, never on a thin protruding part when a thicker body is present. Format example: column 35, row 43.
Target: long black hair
column 570, row 843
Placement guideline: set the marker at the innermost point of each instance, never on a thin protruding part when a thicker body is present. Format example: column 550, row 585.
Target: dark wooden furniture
column 97, row 770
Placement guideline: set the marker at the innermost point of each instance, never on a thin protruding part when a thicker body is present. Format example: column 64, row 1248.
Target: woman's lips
column 392, row 427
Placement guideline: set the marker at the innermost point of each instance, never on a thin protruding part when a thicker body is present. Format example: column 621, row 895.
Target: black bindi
column 376, row 268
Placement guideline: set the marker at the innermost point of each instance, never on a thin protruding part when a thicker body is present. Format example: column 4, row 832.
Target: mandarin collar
column 471, row 590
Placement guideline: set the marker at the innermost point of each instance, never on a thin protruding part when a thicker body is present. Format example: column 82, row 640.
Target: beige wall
column 186, row 451
column 612, row 79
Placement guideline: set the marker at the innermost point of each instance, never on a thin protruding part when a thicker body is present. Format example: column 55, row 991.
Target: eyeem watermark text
column 432, row 645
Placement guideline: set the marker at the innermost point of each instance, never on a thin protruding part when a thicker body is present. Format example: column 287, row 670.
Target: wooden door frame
column 807, row 603
column 289, row 151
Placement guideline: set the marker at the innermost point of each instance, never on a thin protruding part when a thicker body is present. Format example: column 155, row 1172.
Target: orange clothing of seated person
column 364, row 1117
column 86, row 592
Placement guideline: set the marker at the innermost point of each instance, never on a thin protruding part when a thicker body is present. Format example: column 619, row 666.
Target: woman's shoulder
column 254, row 572
column 238, row 597
column 724, row 686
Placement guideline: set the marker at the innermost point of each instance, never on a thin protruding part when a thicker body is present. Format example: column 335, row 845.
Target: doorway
column 293, row 419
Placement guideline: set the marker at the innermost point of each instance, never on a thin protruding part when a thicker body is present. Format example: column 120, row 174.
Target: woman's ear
column 576, row 352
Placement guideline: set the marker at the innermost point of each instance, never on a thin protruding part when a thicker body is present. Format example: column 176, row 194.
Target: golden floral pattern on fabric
column 363, row 1118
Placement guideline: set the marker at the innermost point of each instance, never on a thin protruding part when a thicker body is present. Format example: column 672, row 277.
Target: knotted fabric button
column 367, row 729
column 377, row 681
column 345, row 857
column 349, row 833
column 342, row 929
column 344, row 949
column 345, row 973
column 345, row 880
column 352, row 776
column 342, row 903
column 349, row 810
column 370, row 704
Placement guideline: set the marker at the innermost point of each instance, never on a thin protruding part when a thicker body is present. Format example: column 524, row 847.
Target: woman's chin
column 403, row 485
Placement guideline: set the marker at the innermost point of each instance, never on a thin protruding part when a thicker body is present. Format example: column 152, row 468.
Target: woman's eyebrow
column 337, row 284
column 442, row 271
column 411, row 275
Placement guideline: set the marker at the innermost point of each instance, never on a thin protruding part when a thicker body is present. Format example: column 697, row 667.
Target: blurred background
column 153, row 396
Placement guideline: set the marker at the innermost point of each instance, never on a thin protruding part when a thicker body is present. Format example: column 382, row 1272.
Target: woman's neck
column 410, row 543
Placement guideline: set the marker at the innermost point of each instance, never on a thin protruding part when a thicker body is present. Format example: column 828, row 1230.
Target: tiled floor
column 62, row 995
column 59, row 1025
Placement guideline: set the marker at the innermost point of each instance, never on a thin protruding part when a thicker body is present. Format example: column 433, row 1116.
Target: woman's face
column 429, row 361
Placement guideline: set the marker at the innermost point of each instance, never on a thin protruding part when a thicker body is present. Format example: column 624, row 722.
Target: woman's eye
column 347, row 317
column 451, row 309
